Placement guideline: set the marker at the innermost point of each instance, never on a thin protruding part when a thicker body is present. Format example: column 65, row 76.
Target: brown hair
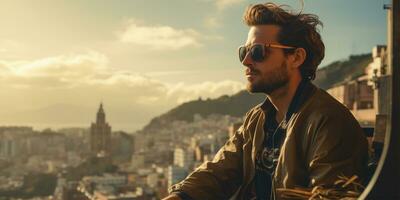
column 298, row 30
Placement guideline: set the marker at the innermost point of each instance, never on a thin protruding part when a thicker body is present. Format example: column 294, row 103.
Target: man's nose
column 247, row 61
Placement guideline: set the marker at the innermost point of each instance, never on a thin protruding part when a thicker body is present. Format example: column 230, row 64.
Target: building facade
column 100, row 135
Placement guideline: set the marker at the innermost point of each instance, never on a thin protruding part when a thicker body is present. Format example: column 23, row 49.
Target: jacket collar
column 303, row 92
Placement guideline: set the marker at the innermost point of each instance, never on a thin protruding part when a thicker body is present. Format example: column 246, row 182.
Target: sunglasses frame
column 264, row 46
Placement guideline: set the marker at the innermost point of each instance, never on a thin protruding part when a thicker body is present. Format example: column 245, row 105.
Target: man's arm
column 219, row 178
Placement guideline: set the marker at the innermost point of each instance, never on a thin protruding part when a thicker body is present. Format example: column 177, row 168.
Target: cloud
column 222, row 4
column 183, row 93
column 84, row 78
column 66, row 66
column 211, row 22
column 167, row 73
column 53, row 72
column 159, row 37
column 4, row 68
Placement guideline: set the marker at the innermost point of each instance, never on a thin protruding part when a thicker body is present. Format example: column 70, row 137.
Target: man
column 299, row 137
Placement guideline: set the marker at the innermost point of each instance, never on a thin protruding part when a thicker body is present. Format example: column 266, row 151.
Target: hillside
column 238, row 104
column 341, row 71
column 235, row 105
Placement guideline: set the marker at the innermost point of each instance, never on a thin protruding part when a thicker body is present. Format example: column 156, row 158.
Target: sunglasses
column 257, row 51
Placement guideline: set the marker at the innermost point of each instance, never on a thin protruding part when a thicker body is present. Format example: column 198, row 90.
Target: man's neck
column 282, row 97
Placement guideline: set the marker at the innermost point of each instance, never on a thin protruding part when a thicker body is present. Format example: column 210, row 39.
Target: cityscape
column 120, row 103
column 96, row 163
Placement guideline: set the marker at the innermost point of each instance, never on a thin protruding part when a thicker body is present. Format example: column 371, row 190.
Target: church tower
column 100, row 135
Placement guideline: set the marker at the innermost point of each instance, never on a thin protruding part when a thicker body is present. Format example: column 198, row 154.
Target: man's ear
column 299, row 56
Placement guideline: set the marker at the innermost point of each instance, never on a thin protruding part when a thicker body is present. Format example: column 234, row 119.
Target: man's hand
column 172, row 197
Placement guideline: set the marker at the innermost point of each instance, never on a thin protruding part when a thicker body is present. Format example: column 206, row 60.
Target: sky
column 60, row 58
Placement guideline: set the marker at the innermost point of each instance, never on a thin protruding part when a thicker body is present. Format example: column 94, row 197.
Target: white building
column 378, row 66
column 184, row 157
column 106, row 179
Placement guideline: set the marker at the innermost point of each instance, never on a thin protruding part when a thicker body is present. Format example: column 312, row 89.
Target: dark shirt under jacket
column 267, row 158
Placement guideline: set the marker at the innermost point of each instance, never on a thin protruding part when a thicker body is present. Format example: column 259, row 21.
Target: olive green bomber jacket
column 323, row 140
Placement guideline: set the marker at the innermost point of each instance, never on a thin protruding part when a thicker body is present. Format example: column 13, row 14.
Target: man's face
column 271, row 73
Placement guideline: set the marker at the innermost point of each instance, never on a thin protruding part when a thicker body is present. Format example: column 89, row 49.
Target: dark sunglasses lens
column 242, row 53
column 257, row 53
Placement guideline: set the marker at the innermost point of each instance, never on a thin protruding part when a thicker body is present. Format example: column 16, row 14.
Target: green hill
column 238, row 104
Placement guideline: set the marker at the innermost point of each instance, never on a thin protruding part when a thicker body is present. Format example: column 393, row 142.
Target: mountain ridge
column 238, row 104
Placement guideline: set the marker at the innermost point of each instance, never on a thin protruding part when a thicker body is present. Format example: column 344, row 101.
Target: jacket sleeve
column 338, row 147
column 219, row 178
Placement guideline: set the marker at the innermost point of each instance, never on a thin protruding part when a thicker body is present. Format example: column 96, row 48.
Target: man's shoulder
column 255, row 109
column 323, row 110
column 322, row 105
column 253, row 114
column 322, row 101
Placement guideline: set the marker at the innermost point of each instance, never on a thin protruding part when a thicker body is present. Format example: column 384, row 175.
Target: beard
column 269, row 82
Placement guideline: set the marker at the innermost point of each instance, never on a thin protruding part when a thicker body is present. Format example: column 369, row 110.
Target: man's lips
column 250, row 76
column 249, row 73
